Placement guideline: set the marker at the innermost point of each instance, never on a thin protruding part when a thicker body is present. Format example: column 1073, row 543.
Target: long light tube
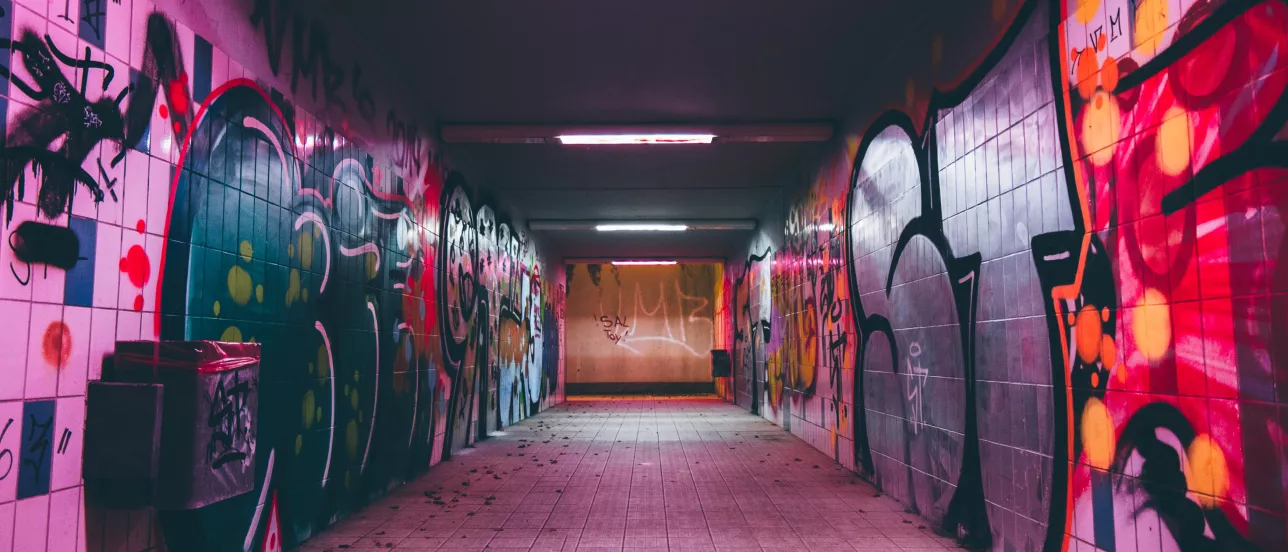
column 641, row 227
column 618, row 139
column 643, row 263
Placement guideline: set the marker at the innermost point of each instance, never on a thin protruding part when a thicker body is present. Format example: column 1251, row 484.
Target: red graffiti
column 140, row 226
column 163, row 111
column 136, row 265
column 56, row 345
column 433, row 193
column 178, row 95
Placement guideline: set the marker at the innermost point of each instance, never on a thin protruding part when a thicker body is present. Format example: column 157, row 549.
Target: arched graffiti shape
column 262, row 249
column 917, row 329
column 459, row 305
column 932, row 240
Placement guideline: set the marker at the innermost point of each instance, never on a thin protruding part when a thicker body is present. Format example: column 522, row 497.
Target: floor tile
column 636, row 473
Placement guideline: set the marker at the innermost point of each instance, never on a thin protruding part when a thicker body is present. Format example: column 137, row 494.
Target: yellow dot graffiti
column 1101, row 126
column 306, row 250
column 293, row 287
column 323, row 364
column 1173, row 142
column 351, row 439
column 246, row 250
column 1207, row 473
column 307, row 407
column 1152, row 325
column 239, row 285
column 1097, row 434
column 1150, row 25
column 373, row 267
column 1086, row 9
column 231, row 335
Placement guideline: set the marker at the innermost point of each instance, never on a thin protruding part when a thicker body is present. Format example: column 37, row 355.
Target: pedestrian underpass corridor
column 636, row 473
column 270, row 269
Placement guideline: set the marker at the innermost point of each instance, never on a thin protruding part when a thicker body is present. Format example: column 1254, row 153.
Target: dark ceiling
column 620, row 62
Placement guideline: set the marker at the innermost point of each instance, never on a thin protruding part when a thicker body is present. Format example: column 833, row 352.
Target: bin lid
column 202, row 356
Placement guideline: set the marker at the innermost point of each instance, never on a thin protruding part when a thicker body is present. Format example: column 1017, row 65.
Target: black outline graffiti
column 317, row 63
column 64, row 440
column 6, row 453
column 67, row 11
column 966, row 515
column 40, row 446
column 93, row 18
column 65, row 111
column 229, row 420
column 764, row 333
column 465, row 306
column 458, row 312
column 1163, row 479
column 39, row 243
column 163, row 69
column 62, row 110
column 966, row 510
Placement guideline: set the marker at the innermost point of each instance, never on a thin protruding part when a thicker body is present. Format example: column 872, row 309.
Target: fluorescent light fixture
column 647, row 225
column 681, row 133
column 641, row 227
column 617, row 139
column 643, row 263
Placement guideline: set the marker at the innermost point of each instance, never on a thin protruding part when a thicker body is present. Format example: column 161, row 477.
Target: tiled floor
column 636, row 473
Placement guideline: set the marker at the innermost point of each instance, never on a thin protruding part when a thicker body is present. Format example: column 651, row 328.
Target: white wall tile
column 65, row 471
column 31, row 524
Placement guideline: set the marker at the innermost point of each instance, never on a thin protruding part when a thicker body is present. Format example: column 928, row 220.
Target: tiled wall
column 400, row 317
column 1057, row 285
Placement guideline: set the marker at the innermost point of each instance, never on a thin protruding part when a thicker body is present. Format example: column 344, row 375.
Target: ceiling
column 618, row 62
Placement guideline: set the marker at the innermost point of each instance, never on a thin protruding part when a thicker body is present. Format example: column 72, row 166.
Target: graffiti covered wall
column 159, row 186
column 641, row 324
column 1058, row 286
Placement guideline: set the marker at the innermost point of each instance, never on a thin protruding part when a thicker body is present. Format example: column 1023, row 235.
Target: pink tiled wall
column 224, row 206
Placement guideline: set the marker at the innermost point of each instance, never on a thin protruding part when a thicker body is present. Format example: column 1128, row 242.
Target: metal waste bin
column 209, row 415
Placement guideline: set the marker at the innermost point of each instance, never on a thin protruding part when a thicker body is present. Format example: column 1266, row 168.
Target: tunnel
column 672, row 275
